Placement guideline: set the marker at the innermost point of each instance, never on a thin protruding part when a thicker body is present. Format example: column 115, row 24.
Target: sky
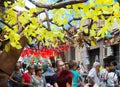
column 42, row 15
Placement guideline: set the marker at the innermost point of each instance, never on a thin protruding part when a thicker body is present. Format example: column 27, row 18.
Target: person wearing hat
column 93, row 75
column 26, row 76
column 38, row 80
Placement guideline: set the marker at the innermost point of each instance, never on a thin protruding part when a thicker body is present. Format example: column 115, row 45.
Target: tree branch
column 70, row 34
column 56, row 24
column 59, row 1
column 41, row 21
column 57, row 5
column 118, row 1
column 70, row 39
column 18, row 22
column 44, row 27
column 79, row 18
column 14, row 24
column 70, row 24
column 89, row 27
column 47, row 18
column 6, row 23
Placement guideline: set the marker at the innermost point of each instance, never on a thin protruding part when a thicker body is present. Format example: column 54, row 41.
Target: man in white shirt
column 93, row 75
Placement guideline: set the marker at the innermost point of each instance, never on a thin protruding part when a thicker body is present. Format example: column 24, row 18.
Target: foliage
column 33, row 26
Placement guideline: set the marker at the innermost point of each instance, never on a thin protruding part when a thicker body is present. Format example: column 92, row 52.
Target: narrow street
column 59, row 43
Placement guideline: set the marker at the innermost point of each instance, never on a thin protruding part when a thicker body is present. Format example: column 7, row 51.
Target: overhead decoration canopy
column 56, row 22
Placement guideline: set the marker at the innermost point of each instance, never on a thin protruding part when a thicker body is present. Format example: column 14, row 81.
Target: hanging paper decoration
column 93, row 41
column 28, row 51
column 23, row 54
column 36, row 54
column 44, row 52
column 109, row 41
column 63, row 47
column 108, row 35
column 35, row 59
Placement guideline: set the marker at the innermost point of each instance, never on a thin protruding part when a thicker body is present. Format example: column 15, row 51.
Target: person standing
column 50, row 68
column 26, row 76
column 103, row 75
column 104, row 72
column 117, row 70
column 113, row 63
column 112, row 79
column 60, row 66
column 73, row 69
column 83, row 70
column 38, row 80
column 93, row 75
column 64, row 78
column 16, row 76
column 66, row 66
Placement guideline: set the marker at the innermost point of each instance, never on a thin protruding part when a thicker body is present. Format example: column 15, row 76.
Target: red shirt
column 26, row 77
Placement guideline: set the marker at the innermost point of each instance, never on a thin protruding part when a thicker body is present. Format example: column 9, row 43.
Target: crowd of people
column 65, row 74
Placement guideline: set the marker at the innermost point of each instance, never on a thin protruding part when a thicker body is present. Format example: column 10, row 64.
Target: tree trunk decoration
column 8, row 61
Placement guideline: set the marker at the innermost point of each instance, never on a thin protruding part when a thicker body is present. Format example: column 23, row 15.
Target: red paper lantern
column 36, row 54
column 28, row 51
column 23, row 54
column 56, row 53
column 43, row 53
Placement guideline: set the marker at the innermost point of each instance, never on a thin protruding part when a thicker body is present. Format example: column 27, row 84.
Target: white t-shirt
column 111, row 77
column 102, row 74
column 93, row 75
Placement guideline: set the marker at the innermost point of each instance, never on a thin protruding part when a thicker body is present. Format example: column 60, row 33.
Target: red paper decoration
column 36, row 54
column 23, row 54
column 44, row 52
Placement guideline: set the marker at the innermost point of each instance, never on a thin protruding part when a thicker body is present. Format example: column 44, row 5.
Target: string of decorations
column 44, row 52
